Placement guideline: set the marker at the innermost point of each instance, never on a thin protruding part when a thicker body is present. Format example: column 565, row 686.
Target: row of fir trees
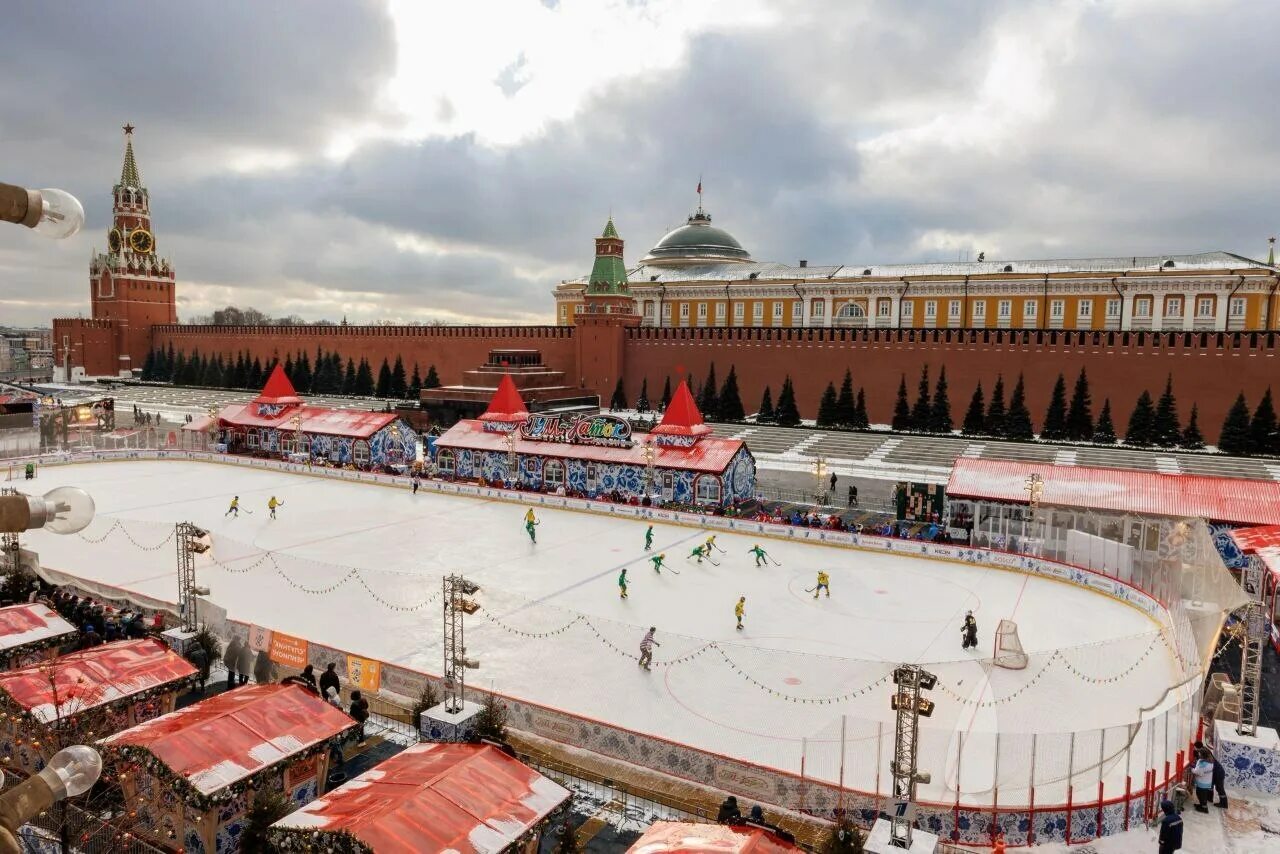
column 328, row 373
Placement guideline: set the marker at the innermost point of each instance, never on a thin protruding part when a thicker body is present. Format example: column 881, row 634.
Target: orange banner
column 288, row 650
column 363, row 673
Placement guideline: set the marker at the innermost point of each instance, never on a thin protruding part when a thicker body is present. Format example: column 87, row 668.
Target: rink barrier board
column 1078, row 820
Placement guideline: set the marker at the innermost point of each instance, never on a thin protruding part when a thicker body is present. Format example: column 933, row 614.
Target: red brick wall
column 92, row 345
column 1209, row 374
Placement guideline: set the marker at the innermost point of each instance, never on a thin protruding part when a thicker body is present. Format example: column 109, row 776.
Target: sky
column 424, row 161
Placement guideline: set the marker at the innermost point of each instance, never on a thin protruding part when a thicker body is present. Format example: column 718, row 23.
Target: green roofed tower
column 609, row 273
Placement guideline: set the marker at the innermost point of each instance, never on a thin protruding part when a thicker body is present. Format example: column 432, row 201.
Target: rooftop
column 31, row 623
column 697, row 240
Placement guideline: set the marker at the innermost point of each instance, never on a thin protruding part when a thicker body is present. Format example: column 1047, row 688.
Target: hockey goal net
column 1009, row 652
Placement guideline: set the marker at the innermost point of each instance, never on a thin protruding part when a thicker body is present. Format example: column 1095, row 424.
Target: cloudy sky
column 423, row 160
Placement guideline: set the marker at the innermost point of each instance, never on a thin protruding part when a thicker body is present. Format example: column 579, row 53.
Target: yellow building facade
column 699, row 275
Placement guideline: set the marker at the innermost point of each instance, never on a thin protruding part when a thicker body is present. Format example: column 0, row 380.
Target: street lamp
column 213, row 427
column 649, row 453
column 71, row 772
column 512, row 463
column 820, row 469
column 51, row 213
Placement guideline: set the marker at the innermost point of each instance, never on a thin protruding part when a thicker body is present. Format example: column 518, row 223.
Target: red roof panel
column 278, row 389
column 233, row 735
column 29, row 623
column 675, row 837
column 1219, row 499
column 507, row 405
column 94, row 677
column 315, row 419
column 710, row 454
column 436, row 797
column 681, row 417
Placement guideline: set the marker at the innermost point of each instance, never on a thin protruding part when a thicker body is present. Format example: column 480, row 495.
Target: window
column 720, row 310
column 1142, row 307
column 931, row 309
column 592, row 474
column 1113, row 307
column 738, row 309
column 445, row 462
column 797, row 310
column 553, row 473
column 684, row 311
column 360, row 452
column 648, row 308
column 666, row 311
column 1172, row 306
column 252, row 436
column 1029, row 309
column 953, row 309
column 1236, row 308
column 1204, row 307
column 818, row 308
column 702, row 311
column 708, row 489
column 883, row 307
column 907, row 307
column 1084, row 309
column 335, row 452
column 777, row 311
column 757, row 311
column 1057, row 308
column 1005, row 309
column 980, row 309
column 564, row 312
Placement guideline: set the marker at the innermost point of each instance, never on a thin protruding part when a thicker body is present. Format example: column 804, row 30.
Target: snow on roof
column 711, row 454
column 233, row 735
column 30, row 623
column 1219, row 499
column 357, row 423
column 278, row 389
column 506, row 405
column 93, row 677
column 677, row 837
column 436, row 797
column 682, row 417
column 1263, row 541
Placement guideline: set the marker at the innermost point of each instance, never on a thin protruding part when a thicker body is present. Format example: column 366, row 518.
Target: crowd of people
column 97, row 622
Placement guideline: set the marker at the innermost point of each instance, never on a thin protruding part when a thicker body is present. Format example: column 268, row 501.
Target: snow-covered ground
column 358, row 567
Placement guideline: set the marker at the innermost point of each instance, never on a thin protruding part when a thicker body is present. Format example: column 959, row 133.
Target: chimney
column 804, row 263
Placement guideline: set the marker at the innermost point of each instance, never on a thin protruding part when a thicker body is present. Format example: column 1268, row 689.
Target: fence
column 996, row 762
column 84, row 832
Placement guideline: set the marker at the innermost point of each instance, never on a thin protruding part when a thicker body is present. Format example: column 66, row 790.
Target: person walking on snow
column 234, row 508
column 657, row 563
column 833, row 482
column 273, row 504
column 969, row 630
column 622, row 583
column 824, row 583
column 648, row 538
column 760, row 554
column 697, row 552
column 1170, row 828
column 740, row 610
column 646, row 648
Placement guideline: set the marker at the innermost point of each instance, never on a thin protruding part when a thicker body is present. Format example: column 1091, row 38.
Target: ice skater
column 646, row 648
column 529, row 525
column 711, row 544
column 969, row 631
column 234, row 508
column 761, row 554
column 622, row 583
column 697, row 552
column 417, row 481
column 740, row 610
column 656, row 560
column 824, row 583
column 648, row 538
column 273, row 504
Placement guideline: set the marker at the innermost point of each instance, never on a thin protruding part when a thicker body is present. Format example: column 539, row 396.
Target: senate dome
column 696, row 242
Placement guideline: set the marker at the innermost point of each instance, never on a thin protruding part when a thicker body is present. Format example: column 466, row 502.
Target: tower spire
column 129, row 176
column 609, row 273
column 1271, row 251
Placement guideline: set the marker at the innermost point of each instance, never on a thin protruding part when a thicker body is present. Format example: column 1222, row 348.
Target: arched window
column 851, row 310
column 707, row 489
column 553, row 474
column 445, row 462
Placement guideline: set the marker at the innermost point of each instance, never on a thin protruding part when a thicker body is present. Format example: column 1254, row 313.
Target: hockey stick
column 810, row 589
column 713, row 562
column 717, row 548
column 772, row 561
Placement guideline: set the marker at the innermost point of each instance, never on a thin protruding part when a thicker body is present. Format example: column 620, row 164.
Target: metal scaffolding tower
column 1256, row 632
column 190, row 543
column 910, row 707
column 456, row 606
column 9, row 545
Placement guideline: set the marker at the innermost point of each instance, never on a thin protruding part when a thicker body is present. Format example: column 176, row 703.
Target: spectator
column 329, row 679
column 1202, row 774
column 853, row 495
column 331, row 697
column 90, row 638
column 757, row 814
column 1170, row 828
column 729, row 812
column 308, row 675
column 1219, row 775
column 359, row 713
column 261, row 667
column 244, row 663
column 231, row 660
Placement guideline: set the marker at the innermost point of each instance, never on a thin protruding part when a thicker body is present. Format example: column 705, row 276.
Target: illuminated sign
column 602, row 430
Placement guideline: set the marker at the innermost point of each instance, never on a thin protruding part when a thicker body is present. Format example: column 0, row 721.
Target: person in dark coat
column 244, row 664
column 729, row 811
column 231, row 660
column 1219, row 775
column 329, row 679
column 360, row 713
column 261, row 668
column 1170, row 828
column 308, row 675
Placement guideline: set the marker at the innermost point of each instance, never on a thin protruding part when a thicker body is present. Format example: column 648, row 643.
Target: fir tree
column 787, row 414
column 1104, row 433
column 996, row 413
column 861, row 420
column 1142, row 422
column 1080, row 414
column 901, row 409
column 399, row 382
column 827, row 407
column 433, row 379
column 920, row 411
column 619, row 399
column 708, row 400
column 1166, row 430
column 642, row 402
column 1191, row 438
column 290, row 370
column 974, row 417
column 730, row 400
column 383, row 389
column 1055, row 417
column 666, row 394
column 211, row 375
column 1236, row 436
column 364, row 379
column 256, row 379
column 302, row 373
column 225, row 368
column 1017, row 422
column 240, row 373
column 846, row 407
column 766, row 415
column 170, row 364
column 415, row 384
column 349, row 377
column 940, row 412
column 179, row 368
column 1263, row 438
column 191, row 374
column 149, row 366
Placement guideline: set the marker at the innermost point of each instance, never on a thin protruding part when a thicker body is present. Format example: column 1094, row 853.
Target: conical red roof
column 278, row 389
column 682, row 417
column 507, row 405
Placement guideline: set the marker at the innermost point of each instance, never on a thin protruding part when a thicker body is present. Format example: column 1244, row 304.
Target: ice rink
column 358, row 567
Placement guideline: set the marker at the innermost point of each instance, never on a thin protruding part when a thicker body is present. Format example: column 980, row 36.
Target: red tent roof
column 1264, row 541
column 233, row 735
column 357, row 423
column 1218, row 499
column 278, row 389
column 675, row 837
column 94, row 677
column 507, row 405
column 681, row 417
column 30, row 623
column 436, row 797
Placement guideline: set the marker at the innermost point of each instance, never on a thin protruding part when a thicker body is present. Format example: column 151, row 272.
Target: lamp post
column 50, row 213
column 213, row 428
column 820, row 470
column 513, row 471
column 1034, row 490
column 296, row 423
column 71, row 772
column 649, row 454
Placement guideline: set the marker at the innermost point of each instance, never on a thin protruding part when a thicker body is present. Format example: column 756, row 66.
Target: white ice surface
column 358, row 567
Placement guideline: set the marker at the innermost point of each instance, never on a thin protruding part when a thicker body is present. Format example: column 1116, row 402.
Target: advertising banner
column 288, row 650
column 259, row 638
column 364, row 674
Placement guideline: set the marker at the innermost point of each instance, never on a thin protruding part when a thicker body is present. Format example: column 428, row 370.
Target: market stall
column 678, row 837
column 192, row 774
column 430, row 798
column 31, row 633
column 598, row 456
